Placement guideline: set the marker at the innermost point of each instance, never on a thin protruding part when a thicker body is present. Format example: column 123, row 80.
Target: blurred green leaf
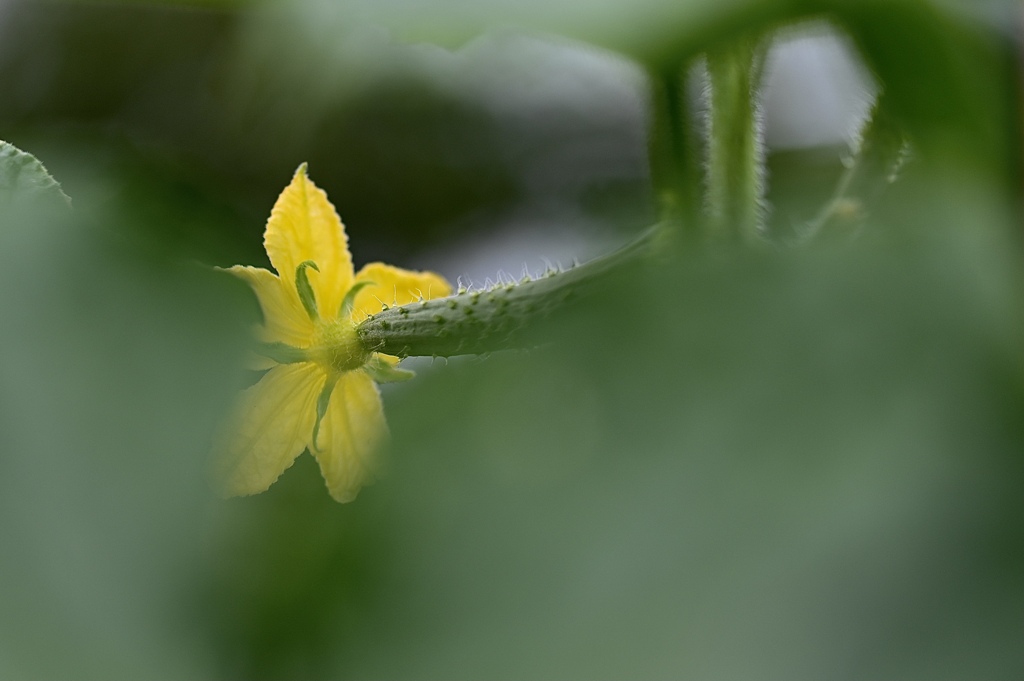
column 114, row 368
column 651, row 30
column 23, row 178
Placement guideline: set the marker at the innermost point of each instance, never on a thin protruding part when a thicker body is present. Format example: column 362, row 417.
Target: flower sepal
column 305, row 289
column 282, row 353
column 347, row 305
column 383, row 372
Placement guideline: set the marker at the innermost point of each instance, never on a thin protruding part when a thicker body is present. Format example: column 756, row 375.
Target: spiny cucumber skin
column 474, row 322
column 478, row 322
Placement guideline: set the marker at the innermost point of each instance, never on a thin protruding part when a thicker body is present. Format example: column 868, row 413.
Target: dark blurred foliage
column 787, row 464
column 222, row 105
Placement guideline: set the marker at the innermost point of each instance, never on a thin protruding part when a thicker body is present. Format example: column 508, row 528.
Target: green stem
column 477, row 322
column 880, row 154
column 736, row 163
column 665, row 146
column 672, row 149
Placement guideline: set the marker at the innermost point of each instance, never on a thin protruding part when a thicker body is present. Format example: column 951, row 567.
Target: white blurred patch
column 816, row 90
column 522, row 243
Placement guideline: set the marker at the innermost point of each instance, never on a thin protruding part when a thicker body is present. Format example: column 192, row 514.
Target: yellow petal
column 352, row 431
column 270, row 426
column 284, row 319
column 304, row 226
column 394, row 286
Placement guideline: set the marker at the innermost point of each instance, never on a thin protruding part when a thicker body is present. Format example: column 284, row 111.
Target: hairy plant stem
column 673, row 149
column 735, row 160
column 881, row 151
column 477, row 322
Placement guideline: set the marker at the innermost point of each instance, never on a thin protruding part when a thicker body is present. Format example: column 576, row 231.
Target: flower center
column 336, row 346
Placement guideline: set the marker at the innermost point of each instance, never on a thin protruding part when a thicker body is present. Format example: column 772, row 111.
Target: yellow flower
column 320, row 392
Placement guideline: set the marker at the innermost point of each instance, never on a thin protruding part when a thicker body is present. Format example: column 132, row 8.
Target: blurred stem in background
column 736, row 156
column 673, row 149
column 733, row 171
column 881, row 151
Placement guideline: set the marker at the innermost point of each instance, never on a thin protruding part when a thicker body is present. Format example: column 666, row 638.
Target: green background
column 792, row 463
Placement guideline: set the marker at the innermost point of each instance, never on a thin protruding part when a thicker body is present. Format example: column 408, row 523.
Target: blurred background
column 796, row 463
